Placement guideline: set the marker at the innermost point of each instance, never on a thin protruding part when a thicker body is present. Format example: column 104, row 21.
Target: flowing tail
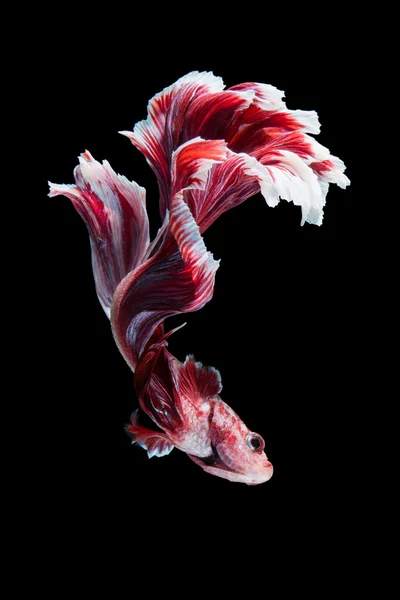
column 210, row 149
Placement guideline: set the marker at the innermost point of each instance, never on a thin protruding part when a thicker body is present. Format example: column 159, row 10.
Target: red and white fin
column 114, row 210
column 159, row 135
column 197, row 382
column 254, row 121
column 288, row 177
column 156, row 443
column 266, row 96
column 178, row 114
column 192, row 162
column 180, row 277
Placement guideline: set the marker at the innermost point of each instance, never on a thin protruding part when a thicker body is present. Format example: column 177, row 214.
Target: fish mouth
column 215, row 466
column 265, row 475
column 213, row 461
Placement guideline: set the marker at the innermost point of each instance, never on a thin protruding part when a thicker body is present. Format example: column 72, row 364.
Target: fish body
column 207, row 429
column 210, row 149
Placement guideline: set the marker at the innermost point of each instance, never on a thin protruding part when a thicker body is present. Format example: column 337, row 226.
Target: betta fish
column 211, row 149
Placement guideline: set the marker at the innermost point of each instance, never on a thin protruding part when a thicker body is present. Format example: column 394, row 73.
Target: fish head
column 238, row 453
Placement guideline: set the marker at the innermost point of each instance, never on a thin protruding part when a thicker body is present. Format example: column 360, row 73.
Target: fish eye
column 255, row 442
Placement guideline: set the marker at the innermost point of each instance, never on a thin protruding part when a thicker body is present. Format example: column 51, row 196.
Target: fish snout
column 268, row 471
column 270, row 468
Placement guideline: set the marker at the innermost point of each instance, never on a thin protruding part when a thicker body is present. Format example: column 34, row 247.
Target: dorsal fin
column 196, row 381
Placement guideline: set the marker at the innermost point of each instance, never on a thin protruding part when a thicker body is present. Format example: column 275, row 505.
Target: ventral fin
column 156, row 443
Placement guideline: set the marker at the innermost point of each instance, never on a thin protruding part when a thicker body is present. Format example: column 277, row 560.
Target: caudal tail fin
column 114, row 210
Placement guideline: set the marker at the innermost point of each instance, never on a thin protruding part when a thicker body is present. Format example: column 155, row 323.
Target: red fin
column 197, row 382
column 179, row 278
column 156, row 444
column 160, row 134
column 157, row 389
column 114, row 210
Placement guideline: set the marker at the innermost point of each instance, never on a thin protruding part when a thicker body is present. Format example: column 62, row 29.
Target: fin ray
column 156, row 443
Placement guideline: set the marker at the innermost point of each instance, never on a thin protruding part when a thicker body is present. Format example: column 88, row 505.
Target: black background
column 283, row 326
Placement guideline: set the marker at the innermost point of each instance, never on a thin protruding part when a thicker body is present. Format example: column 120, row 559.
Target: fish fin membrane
column 156, row 443
column 114, row 211
column 197, row 382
